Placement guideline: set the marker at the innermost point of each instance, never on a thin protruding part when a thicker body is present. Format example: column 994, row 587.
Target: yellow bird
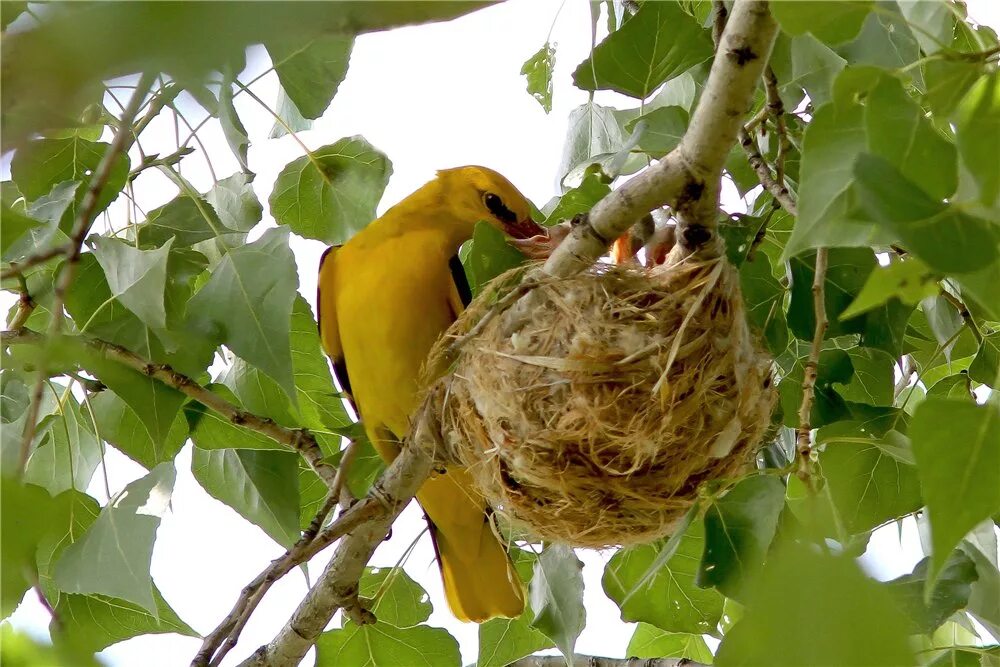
column 384, row 298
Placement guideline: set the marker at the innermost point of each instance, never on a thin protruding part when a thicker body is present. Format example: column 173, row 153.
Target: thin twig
column 299, row 440
column 776, row 108
column 84, row 219
column 598, row 661
column 19, row 267
column 763, row 171
column 25, row 304
column 803, row 439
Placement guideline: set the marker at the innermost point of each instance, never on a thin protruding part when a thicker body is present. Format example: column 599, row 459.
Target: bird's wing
column 461, row 293
column 326, row 317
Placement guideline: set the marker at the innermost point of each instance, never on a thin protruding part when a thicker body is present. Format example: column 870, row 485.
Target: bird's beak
column 523, row 229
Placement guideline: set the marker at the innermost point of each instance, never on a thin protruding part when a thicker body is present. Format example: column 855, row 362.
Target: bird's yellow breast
column 393, row 291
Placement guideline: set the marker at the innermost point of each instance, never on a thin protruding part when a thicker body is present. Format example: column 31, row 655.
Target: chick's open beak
column 523, row 229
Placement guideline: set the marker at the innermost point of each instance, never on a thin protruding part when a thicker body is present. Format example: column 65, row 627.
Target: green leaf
column 899, row 132
column 94, row 622
column 663, row 129
column 885, row 40
column 235, row 202
column 952, row 386
column 161, row 40
column 14, row 224
column 669, row 599
column 648, row 641
column 210, row 430
column 978, row 131
column 861, row 625
column 950, row 594
column 578, row 200
column 398, row 599
column 71, row 514
column 384, row 645
column 556, row 593
column 847, row 272
column 154, row 403
column 291, row 118
column 113, row 556
column 764, row 298
column 21, row 649
column 835, row 367
column 984, row 600
column 658, row 43
column 185, row 219
column 505, row 640
column 119, row 425
column 947, row 83
column 910, row 281
column 247, row 305
column 941, row 235
column 832, row 21
column 262, row 486
column 137, row 278
column 985, row 367
column 858, row 477
column 957, row 447
column 488, row 256
column 42, row 164
column 25, row 517
column 48, row 209
column 932, row 24
column 319, row 402
column 69, row 453
column 10, row 11
column 232, row 126
column 872, row 382
column 815, row 66
column 310, row 73
column 594, row 133
column 331, row 193
column 538, row 71
column 832, row 140
column 739, row 528
column 944, row 321
column 982, row 289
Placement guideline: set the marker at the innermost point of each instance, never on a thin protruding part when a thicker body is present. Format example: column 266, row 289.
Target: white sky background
column 430, row 97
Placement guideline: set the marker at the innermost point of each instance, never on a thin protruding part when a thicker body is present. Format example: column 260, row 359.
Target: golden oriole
column 384, row 298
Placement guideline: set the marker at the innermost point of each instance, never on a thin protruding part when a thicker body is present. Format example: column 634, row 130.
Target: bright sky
column 430, row 97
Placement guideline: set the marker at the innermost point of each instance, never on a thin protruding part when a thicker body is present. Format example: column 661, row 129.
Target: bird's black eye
column 496, row 206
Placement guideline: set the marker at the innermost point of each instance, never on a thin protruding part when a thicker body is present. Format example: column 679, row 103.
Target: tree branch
column 596, row 661
column 803, row 439
column 300, row 440
column 84, row 219
column 688, row 178
column 337, row 587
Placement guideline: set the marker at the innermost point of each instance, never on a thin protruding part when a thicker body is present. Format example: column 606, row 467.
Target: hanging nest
column 596, row 420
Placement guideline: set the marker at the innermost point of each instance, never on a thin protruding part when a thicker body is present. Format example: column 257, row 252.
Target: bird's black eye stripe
column 496, row 206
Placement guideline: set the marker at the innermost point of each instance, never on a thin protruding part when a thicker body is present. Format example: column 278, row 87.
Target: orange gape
column 384, row 299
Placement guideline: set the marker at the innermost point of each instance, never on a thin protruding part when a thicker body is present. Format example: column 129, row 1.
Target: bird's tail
column 479, row 580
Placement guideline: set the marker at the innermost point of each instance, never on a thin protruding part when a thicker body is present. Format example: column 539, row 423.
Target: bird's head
column 478, row 193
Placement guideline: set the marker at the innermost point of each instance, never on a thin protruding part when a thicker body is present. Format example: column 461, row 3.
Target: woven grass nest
column 595, row 422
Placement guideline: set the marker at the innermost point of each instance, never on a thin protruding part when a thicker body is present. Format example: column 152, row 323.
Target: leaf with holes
column 112, row 558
